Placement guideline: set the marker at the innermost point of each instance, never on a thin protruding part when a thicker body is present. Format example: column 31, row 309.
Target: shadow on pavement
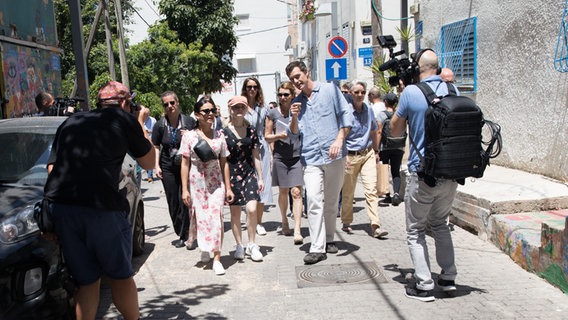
column 177, row 304
column 406, row 276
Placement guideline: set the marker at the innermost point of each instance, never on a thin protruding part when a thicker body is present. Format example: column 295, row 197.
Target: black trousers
column 393, row 157
column 179, row 213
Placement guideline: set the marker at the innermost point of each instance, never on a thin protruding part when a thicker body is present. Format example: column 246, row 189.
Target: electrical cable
column 381, row 16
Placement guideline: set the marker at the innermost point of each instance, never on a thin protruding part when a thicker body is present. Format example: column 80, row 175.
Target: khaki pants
column 383, row 176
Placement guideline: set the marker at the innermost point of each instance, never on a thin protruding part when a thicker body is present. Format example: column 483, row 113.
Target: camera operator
column 89, row 212
column 425, row 205
column 43, row 101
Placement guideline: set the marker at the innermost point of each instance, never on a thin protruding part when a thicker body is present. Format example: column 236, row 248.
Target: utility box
column 31, row 60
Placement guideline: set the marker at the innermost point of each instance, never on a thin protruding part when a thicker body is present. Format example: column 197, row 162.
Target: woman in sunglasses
column 256, row 116
column 286, row 166
column 246, row 176
column 205, row 182
column 166, row 137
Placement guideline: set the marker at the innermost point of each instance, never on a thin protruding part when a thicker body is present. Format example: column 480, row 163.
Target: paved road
column 366, row 278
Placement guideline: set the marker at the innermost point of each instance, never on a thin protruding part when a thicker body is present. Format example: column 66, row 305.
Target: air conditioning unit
column 301, row 49
column 415, row 8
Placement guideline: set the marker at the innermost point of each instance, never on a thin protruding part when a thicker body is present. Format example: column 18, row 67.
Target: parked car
column 34, row 283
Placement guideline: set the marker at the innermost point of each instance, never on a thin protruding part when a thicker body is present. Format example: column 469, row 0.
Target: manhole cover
column 338, row 274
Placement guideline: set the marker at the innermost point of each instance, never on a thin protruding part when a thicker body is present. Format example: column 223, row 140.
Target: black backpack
column 389, row 142
column 453, row 137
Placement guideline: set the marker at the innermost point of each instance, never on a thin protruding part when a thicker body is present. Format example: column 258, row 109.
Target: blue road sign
column 337, row 47
column 365, row 52
column 367, row 61
column 336, row 69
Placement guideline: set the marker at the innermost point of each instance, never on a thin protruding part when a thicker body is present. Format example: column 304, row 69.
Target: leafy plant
column 407, row 34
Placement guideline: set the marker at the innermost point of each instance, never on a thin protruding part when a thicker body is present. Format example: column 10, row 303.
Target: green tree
column 163, row 62
column 211, row 23
column 97, row 61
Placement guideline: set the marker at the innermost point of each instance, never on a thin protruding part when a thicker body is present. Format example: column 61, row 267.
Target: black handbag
column 204, row 150
column 42, row 215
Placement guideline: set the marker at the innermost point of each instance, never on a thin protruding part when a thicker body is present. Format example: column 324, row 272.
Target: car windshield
column 24, row 157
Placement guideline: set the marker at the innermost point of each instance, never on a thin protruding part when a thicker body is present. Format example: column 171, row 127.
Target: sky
column 148, row 9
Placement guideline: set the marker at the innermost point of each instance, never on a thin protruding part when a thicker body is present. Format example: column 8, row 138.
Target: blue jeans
column 429, row 206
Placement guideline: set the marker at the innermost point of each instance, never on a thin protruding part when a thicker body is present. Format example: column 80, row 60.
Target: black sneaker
column 422, row 295
column 314, row 257
column 331, row 247
column 396, row 200
column 447, row 285
column 386, row 201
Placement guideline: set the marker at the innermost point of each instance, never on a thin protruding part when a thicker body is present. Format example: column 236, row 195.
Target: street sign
column 337, row 47
column 367, row 61
column 365, row 52
column 336, row 69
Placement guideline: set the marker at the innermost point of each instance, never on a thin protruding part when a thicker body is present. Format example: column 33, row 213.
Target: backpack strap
column 427, row 91
column 451, row 89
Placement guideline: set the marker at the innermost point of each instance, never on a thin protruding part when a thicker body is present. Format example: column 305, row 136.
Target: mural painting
column 26, row 72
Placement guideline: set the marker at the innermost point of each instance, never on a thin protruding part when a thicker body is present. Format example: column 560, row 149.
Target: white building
column 352, row 21
column 261, row 49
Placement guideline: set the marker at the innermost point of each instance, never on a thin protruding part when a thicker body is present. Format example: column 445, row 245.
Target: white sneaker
column 218, row 268
column 239, row 252
column 253, row 250
column 260, row 230
column 205, row 257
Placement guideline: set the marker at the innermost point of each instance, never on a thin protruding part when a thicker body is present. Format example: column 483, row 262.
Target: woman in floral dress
column 206, row 185
column 246, row 176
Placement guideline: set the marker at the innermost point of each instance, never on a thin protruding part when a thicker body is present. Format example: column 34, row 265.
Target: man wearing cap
column 89, row 212
column 322, row 118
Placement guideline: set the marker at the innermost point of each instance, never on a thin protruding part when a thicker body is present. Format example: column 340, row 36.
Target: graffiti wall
column 26, row 72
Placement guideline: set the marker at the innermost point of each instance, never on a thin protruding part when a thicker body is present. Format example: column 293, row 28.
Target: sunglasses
column 172, row 103
column 359, row 92
column 283, row 94
column 252, row 87
column 208, row 111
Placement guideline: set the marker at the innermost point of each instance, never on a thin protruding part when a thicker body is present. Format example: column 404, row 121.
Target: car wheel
column 139, row 232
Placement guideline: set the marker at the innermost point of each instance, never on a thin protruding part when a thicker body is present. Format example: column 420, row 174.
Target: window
column 246, row 64
column 456, row 50
column 244, row 22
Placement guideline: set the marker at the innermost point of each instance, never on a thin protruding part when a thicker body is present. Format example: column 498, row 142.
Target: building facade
column 508, row 67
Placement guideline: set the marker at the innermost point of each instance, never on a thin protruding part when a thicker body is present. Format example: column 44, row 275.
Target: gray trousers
column 427, row 206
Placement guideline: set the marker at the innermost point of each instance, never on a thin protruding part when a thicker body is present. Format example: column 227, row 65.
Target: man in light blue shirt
column 322, row 117
column 362, row 145
column 425, row 205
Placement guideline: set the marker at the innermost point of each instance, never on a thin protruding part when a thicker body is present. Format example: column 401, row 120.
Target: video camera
column 64, row 106
column 402, row 67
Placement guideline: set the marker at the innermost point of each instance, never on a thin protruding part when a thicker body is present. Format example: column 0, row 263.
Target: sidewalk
column 364, row 280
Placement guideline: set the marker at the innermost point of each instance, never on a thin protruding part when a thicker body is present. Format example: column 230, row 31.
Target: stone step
column 505, row 191
column 522, row 213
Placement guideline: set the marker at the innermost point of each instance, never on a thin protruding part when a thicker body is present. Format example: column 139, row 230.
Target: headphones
column 417, row 56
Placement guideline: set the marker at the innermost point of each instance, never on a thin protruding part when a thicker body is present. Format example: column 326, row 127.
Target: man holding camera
column 425, row 205
column 43, row 102
column 89, row 212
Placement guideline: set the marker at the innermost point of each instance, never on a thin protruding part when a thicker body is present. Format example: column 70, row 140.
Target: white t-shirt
column 378, row 107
